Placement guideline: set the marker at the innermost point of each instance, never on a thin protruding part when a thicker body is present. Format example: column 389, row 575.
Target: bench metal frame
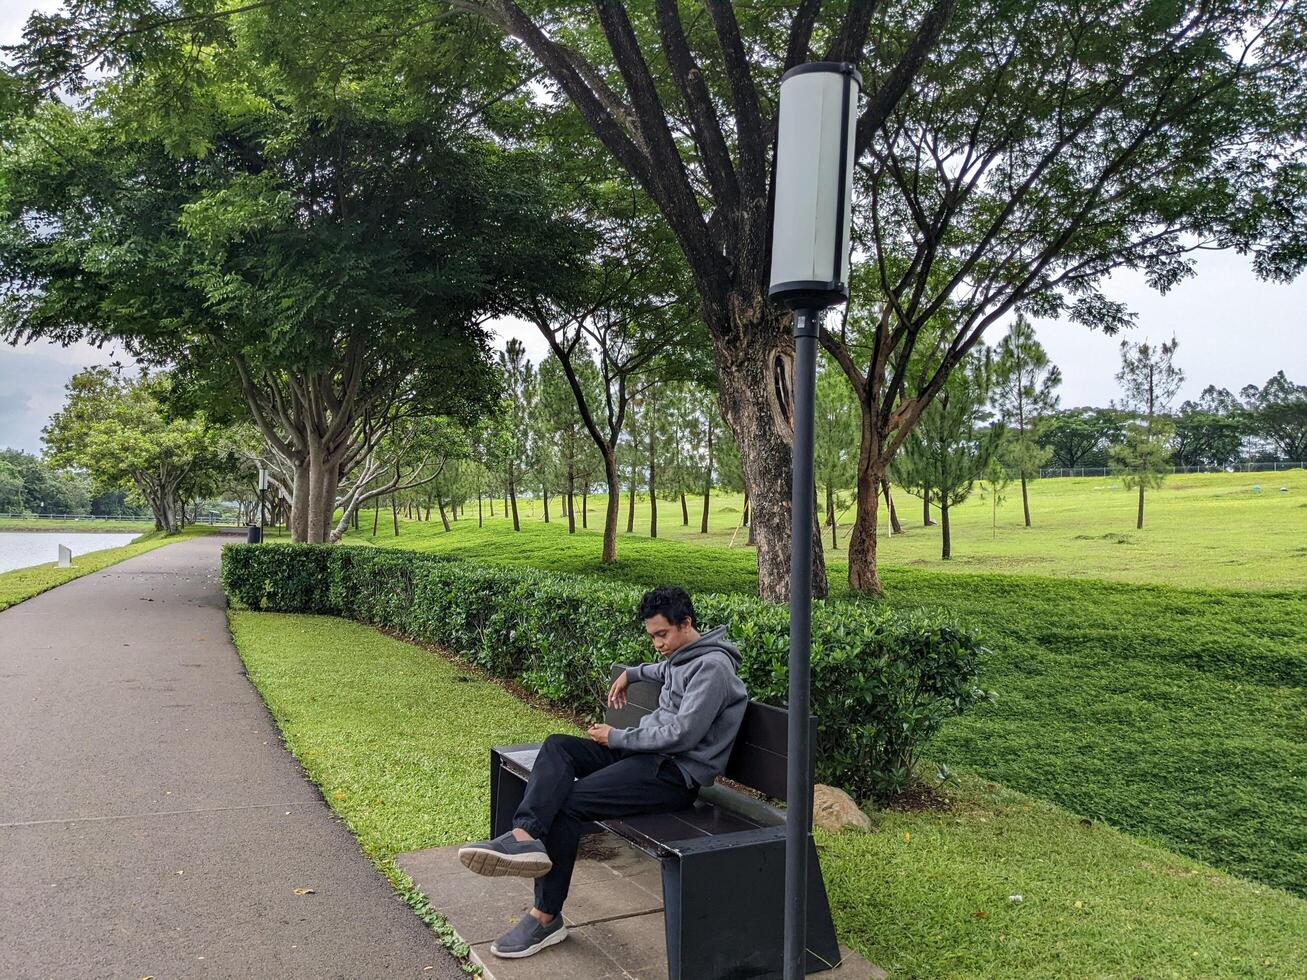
column 722, row 860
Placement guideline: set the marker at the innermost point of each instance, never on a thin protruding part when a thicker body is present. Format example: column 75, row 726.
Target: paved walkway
column 614, row 916
column 151, row 823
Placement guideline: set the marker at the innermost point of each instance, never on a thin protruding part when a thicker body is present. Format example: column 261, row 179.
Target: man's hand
column 600, row 733
column 617, row 693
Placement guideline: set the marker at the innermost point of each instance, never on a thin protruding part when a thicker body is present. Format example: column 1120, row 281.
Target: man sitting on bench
column 620, row 772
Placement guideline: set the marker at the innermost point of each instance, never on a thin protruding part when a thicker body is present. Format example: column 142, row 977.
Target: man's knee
column 558, row 743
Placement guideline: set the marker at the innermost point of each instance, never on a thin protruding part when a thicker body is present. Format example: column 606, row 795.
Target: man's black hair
column 671, row 601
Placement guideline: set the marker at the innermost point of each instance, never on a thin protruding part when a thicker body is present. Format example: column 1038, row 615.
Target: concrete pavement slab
column 614, row 916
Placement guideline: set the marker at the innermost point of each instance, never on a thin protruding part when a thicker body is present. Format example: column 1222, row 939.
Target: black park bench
column 722, row 859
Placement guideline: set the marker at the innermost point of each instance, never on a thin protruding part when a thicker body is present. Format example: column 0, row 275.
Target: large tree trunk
column 159, row 492
column 299, row 504
column 322, row 500
column 1139, row 525
column 440, row 504
column 1025, row 499
column 685, row 511
column 754, row 362
column 481, row 517
column 864, row 576
column 944, row 526
column 545, row 492
column 155, row 501
column 167, row 515
column 925, row 509
column 630, row 503
column 512, row 496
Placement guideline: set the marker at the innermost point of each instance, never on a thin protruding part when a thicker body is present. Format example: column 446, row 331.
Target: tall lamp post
column 263, row 486
column 809, row 272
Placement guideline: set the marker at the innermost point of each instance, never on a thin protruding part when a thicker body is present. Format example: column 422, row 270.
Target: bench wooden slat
column 666, row 828
column 698, row 820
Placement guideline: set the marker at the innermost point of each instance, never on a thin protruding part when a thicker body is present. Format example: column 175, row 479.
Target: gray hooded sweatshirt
column 699, row 709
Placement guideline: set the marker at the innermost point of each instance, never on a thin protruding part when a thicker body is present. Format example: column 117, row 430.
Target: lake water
column 18, row 549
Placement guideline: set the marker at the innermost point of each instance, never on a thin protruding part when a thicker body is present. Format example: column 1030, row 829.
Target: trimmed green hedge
column 882, row 681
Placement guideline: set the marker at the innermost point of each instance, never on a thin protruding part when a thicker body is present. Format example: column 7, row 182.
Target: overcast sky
column 1233, row 330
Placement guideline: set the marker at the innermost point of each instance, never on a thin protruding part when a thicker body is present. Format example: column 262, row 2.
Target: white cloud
column 32, row 380
column 1233, row 330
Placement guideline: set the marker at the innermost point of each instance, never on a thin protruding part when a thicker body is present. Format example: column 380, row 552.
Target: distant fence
column 212, row 519
column 1271, row 467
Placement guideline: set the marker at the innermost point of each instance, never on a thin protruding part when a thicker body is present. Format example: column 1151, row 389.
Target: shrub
column 277, row 578
column 882, row 682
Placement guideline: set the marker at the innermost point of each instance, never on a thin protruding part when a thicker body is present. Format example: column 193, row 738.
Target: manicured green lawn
column 1210, row 530
column 398, row 739
column 1175, row 713
column 23, row 583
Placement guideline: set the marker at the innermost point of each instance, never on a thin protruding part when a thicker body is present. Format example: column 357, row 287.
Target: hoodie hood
column 714, row 639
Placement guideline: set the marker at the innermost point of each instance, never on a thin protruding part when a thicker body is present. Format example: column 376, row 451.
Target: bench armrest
column 757, row 811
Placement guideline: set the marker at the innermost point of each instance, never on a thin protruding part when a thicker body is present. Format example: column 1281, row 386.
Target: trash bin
column 253, row 534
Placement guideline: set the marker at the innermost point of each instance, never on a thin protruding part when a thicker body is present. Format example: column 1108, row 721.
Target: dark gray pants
column 576, row 780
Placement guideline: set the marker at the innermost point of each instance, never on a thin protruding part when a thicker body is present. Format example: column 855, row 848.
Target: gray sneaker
column 528, row 937
column 506, row 855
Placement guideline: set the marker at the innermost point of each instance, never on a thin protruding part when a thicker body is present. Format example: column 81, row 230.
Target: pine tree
column 953, row 443
column 1024, row 393
column 1149, row 379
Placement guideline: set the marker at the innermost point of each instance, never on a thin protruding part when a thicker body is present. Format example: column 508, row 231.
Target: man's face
column 666, row 637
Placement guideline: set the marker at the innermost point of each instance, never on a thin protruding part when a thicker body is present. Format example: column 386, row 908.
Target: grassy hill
column 1172, row 712
column 1214, row 530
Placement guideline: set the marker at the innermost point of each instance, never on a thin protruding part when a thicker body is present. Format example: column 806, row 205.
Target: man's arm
column 640, row 672
column 654, row 672
column 700, row 705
